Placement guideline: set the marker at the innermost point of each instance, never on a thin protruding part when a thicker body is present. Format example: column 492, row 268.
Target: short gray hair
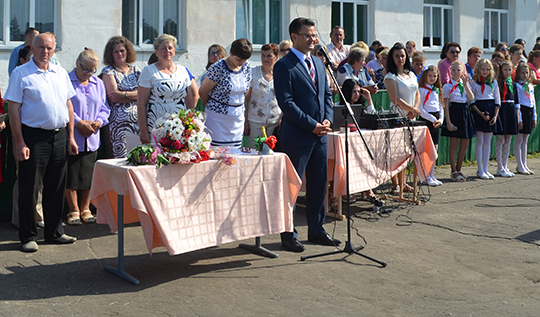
column 356, row 54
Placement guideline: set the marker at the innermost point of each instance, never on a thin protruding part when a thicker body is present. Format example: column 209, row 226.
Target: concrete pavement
column 471, row 250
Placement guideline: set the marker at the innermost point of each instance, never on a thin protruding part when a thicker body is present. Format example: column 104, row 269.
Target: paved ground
column 471, row 250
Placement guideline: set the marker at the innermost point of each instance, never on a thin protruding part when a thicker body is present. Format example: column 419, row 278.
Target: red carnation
column 204, row 155
column 177, row 144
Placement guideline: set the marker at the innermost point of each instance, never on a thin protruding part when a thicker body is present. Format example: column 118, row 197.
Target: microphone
column 320, row 48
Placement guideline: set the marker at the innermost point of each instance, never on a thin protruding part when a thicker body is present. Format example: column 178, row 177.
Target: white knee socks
column 520, row 151
column 483, row 150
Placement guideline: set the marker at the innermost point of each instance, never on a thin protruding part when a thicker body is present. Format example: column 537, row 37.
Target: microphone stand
column 349, row 247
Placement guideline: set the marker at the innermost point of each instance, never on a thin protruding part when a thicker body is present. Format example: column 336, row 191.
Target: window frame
column 355, row 3
column 138, row 17
column 499, row 31
column 249, row 21
column 6, row 34
column 442, row 7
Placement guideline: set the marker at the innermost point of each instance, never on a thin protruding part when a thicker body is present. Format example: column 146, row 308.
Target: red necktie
column 311, row 70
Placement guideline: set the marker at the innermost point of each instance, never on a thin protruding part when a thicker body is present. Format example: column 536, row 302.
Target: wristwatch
column 125, row 94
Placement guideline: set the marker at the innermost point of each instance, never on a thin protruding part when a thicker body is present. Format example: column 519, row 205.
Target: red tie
column 311, row 70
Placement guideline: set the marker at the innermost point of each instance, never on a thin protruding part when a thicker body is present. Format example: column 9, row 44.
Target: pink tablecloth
column 391, row 150
column 190, row 207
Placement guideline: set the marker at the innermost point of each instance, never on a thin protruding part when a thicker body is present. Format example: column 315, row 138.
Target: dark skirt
column 80, row 170
column 508, row 119
column 479, row 122
column 527, row 116
column 462, row 118
column 435, row 132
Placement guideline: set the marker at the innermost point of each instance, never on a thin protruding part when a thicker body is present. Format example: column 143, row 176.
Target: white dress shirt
column 431, row 104
column 456, row 95
column 43, row 95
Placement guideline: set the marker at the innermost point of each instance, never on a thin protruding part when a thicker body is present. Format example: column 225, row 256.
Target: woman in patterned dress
column 223, row 93
column 121, row 81
column 261, row 105
column 164, row 88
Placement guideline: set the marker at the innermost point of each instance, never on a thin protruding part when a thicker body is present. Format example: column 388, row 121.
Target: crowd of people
column 290, row 93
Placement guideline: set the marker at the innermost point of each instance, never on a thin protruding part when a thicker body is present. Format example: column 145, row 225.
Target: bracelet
column 125, row 94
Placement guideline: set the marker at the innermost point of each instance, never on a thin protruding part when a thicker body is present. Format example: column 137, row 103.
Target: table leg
column 329, row 204
column 259, row 249
column 120, row 270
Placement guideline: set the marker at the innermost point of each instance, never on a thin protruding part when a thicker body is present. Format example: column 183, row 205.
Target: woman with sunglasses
column 450, row 53
column 215, row 53
column 319, row 54
column 91, row 112
column 284, row 47
column 502, row 48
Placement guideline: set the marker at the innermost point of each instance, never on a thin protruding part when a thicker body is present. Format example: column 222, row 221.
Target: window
column 19, row 15
column 495, row 22
column 259, row 20
column 144, row 20
column 438, row 22
column 352, row 16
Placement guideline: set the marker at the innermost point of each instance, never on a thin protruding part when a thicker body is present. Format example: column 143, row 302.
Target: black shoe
column 324, row 239
column 293, row 245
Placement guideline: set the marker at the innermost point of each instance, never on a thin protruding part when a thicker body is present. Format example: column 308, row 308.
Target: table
column 194, row 206
column 392, row 153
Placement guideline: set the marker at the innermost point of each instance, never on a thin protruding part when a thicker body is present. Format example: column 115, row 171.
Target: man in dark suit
column 304, row 96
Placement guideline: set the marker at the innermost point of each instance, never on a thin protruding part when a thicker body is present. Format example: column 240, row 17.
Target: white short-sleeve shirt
column 407, row 88
column 43, row 95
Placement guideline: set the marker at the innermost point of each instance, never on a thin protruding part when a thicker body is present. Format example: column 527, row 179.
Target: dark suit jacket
column 302, row 103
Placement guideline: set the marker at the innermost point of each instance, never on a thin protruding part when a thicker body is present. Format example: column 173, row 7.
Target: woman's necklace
column 268, row 75
column 167, row 69
column 123, row 69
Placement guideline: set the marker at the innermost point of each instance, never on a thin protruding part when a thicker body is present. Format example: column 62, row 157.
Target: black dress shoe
column 324, row 239
column 293, row 245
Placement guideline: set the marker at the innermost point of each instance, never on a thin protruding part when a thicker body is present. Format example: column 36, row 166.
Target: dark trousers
column 313, row 161
column 48, row 165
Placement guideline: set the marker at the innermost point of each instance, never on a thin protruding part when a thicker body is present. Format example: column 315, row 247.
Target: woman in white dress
column 402, row 89
column 223, row 93
column 164, row 87
column 261, row 105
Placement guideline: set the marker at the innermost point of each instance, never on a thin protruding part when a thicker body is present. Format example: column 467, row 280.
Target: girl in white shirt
column 459, row 119
column 508, row 116
column 431, row 109
column 485, row 110
column 527, row 116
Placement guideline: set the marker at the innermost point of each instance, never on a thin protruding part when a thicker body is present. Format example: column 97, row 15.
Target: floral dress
column 123, row 118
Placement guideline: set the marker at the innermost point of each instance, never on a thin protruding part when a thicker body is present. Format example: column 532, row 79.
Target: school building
column 200, row 23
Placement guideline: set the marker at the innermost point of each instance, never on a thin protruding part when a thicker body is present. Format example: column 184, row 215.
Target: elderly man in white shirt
column 41, row 119
column 337, row 52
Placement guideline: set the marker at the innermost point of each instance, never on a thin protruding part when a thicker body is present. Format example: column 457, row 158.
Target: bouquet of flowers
column 145, row 154
column 265, row 144
column 180, row 139
column 182, row 132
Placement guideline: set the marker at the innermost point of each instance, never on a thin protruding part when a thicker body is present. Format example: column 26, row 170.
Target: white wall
column 92, row 23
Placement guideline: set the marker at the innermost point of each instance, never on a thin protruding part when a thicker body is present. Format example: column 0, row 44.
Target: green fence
column 381, row 99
